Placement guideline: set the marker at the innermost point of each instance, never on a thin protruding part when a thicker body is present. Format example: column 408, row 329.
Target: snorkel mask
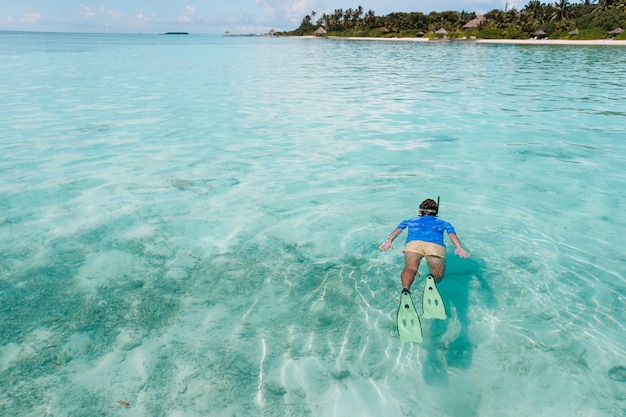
column 429, row 208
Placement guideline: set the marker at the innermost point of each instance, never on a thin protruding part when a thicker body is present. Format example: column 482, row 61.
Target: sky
column 204, row 16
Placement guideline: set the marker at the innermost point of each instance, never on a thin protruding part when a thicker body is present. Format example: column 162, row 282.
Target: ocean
column 189, row 226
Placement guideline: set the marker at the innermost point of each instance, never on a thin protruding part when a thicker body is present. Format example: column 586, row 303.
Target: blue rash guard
column 426, row 228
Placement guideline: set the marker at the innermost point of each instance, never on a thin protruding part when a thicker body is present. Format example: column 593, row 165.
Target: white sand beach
column 603, row 42
column 597, row 42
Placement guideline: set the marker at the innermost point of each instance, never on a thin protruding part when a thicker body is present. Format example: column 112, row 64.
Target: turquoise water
column 189, row 226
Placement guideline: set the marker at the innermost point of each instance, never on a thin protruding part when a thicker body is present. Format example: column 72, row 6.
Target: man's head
column 428, row 208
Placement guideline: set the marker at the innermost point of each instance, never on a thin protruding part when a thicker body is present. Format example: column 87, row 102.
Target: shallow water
column 190, row 226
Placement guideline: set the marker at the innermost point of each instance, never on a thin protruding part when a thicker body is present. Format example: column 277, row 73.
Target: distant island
column 176, row 33
column 560, row 20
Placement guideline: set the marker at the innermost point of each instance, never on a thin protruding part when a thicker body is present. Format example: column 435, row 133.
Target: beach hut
column 614, row 32
column 474, row 23
column 272, row 32
column 320, row 31
column 419, row 34
column 573, row 32
column 540, row 34
column 441, row 33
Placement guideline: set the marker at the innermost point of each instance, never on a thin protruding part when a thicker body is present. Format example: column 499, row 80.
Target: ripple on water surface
column 200, row 235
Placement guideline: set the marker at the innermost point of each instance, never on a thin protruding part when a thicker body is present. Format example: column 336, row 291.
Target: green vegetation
column 592, row 19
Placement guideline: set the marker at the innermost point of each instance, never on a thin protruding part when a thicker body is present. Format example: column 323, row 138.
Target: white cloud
column 292, row 10
column 91, row 12
column 190, row 11
column 32, row 17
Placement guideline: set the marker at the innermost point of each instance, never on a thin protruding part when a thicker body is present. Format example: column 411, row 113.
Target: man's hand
column 461, row 253
column 385, row 246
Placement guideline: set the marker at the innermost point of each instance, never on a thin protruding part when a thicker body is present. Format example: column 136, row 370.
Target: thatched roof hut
column 573, row 32
column 540, row 34
column 474, row 23
column 320, row 31
column 616, row 31
column 441, row 33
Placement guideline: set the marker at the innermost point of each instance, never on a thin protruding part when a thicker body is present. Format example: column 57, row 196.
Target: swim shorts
column 425, row 248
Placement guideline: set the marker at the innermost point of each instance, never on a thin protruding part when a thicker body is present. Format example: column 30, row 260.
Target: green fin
column 432, row 301
column 409, row 327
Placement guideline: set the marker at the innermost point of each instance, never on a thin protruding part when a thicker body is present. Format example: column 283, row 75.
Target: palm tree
column 358, row 12
column 465, row 17
column 347, row 18
column 621, row 5
column 603, row 5
column 496, row 18
column 562, row 11
column 338, row 19
column 325, row 21
column 535, row 10
column 370, row 18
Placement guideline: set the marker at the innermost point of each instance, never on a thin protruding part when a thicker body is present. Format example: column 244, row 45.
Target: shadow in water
column 455, row 350
column 448, row 343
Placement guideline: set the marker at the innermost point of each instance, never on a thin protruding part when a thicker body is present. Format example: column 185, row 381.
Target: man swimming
column 425, row 239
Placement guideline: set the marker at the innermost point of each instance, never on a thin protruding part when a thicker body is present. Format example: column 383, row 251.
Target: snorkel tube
column 437, row 206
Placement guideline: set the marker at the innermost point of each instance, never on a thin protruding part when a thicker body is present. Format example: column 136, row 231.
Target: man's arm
column 388, row 244
column 458, row 247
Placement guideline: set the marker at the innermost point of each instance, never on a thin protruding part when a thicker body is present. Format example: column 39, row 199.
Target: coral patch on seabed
column 618, row 373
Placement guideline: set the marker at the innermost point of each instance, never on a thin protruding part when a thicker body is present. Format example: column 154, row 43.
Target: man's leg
column 437, row 267
column 411, row 263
